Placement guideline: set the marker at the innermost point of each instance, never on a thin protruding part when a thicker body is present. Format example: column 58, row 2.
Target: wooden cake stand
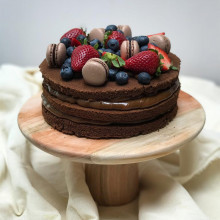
column 111, row 164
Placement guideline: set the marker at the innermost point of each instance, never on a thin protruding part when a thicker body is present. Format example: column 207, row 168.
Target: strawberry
column 73, row 34
column 166, row 63
column 162, row 33
column 75, row 42
column 146, row 61
column 81, row 55
column 114, row 35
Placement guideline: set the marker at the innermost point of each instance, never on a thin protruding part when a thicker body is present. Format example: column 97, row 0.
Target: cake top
column 110, row 55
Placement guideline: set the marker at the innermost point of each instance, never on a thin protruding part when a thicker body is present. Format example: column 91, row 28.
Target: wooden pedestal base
column 112, row 185
column 110, row 182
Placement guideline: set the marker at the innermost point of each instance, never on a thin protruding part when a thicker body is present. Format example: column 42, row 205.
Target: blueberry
column 66, row 65
column 69, row 51
column 112, row 74
column 129, row 38
column 113, row 44
column 67, row 73
column 118, row 53
column 144, row 78
column 121, row 78
column 100, row 51
column 109, row 51
column 66, row 41
column 68, row 60
column 94, row 42
column 144, row 48
column 81, row 38
column 120, row 31
column 142, row 40
column 111, row 27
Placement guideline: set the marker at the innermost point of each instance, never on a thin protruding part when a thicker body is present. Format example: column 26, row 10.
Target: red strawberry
column 73, row 33
column 117, row 36
column 146, row 61
column 75, row 42
column 166, row 61
column 81, row 55
column 162, row 33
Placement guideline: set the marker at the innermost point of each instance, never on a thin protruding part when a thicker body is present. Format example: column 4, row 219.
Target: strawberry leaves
column 113, row 60
column 107, row 34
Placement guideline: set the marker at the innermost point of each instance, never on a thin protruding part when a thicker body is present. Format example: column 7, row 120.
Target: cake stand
column 111, row 165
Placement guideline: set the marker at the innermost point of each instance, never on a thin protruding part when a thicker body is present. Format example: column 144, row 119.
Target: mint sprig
column 113, row 59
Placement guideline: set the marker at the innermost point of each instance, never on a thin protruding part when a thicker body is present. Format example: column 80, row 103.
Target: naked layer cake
column 109, row 84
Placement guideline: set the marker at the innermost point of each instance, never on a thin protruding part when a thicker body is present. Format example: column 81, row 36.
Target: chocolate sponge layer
column 110, row 131
column 114, row 116
column 110, row 91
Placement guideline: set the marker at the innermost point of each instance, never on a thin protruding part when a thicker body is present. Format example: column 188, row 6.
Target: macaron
column 161, row 41
column 97, row 33
column 129, row 48
column 56, row 54
column 95, row 72
column 126, row 29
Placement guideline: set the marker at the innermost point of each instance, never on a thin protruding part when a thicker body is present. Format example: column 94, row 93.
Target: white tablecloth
column 37, row 185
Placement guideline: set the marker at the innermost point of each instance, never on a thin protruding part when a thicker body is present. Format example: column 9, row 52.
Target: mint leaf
column 121, row 61
column 85, row 42
column 115, row 63
column 96, row 46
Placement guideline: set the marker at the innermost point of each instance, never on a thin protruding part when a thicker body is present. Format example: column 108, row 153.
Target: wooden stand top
column 186, row 125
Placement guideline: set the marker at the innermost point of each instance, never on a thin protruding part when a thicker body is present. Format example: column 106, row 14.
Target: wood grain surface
column 112, row 185
column 187, row 124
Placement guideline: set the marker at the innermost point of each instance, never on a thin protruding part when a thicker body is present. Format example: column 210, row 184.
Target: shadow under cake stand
column 112, row 164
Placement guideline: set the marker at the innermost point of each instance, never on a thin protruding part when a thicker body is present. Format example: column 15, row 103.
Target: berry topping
column 73, row 33
column 120, row 31
column 146, row 61
column 112, row 74
column 69, row 51
column 118, row 53
column 68, row 60
column 75, row 42
column 66, row 73
column 113, row 44
column 109, row 51
column 142, row 40
column 95, row 42
column 144, row 78
column 81, row 38
column 81, row 55
column 144, row 48
column 121, row 78
column 66, row 41
column 65, row 65
column 166, row 63
column 111, row 27
column 114, row 35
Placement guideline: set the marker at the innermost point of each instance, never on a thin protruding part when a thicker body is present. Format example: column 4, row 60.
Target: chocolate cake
column 131, row 104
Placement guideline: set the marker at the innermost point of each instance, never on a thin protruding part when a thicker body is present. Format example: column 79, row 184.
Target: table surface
column 187, row 124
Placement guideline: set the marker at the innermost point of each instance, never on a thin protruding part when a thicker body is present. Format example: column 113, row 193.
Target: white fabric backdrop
column 37, row 185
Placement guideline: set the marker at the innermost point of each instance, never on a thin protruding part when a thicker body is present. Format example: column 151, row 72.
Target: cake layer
column 144, row 102
column 112, row 116
column 107, row 131
column 110, row 91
